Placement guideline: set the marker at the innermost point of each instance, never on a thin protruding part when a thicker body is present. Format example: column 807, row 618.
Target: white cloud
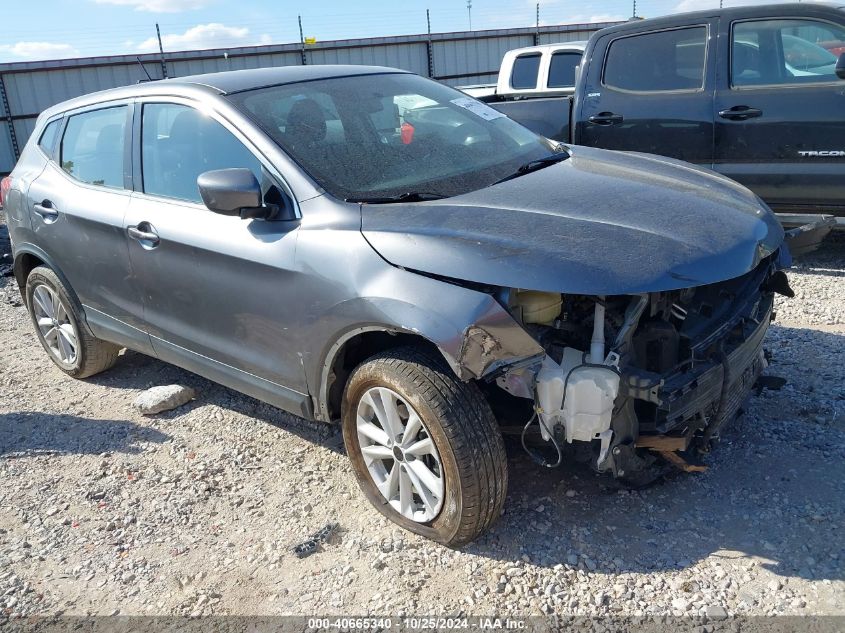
column 28, row 51
column 158, row 6
column 212, row 35
column 584, row 18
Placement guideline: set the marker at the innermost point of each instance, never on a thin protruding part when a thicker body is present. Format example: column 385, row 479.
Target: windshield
column 390, row 135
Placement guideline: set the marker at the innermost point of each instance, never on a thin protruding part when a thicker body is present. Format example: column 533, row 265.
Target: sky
column 56, row 29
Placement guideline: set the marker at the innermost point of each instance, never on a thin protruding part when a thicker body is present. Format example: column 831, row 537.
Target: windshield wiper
column 534, row 165
column 408, row 196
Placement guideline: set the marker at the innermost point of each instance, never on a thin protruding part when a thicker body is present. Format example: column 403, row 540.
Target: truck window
column 525, row 70
column 772, row 52
column 562, row 69
column 657, row 62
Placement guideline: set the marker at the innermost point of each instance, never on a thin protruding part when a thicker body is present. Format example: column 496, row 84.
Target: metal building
column 27, row 88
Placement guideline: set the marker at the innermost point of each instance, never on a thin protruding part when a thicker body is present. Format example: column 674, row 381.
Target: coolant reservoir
column 538, row 307
column 588, row 404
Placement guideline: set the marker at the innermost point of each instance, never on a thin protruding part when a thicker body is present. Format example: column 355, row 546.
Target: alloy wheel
column 55, row 325
column 400, row 455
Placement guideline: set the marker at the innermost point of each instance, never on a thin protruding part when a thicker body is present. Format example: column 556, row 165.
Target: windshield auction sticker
column 477, row 108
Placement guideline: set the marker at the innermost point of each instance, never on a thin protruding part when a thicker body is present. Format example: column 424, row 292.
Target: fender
column 27, row 248
column 487, row 339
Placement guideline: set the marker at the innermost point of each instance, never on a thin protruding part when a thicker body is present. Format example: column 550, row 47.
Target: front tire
column 425, row 447
column 59, row 327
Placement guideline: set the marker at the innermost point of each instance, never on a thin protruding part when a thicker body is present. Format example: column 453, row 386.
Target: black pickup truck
column 755, row 93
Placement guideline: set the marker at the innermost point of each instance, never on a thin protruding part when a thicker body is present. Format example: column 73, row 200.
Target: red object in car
column 835, row 47
column 5, row 185
column 407, row 132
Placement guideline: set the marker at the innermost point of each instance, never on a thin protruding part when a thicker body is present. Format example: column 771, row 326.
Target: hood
column 600, row 222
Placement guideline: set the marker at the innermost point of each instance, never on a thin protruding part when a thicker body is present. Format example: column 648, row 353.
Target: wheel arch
column 29, row 257
column 354, row 347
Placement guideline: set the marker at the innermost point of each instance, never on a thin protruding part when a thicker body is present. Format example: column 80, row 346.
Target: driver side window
column 178, row 143
column 784, row 52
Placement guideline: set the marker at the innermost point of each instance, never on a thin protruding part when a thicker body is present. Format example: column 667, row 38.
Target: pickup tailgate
column 547, row 116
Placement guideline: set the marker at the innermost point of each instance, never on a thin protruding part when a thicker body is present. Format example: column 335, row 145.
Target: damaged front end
column 633, row 379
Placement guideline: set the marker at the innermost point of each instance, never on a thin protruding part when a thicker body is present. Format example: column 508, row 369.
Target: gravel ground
column 195, row 511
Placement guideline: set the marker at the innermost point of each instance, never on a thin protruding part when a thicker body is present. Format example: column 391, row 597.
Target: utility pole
column 302, row 42
column 537, row 31
column 469, row 13
column 161, row 51
column 635, row 8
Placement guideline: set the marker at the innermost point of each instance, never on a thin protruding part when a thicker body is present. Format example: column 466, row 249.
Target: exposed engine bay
column 644, row 377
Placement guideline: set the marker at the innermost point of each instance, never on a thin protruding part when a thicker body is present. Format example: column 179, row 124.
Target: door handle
column 606, row 118
column 149, row 235
column 46, row 210
column 740, row 113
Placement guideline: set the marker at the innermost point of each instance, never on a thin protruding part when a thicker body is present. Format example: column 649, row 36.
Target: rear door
column 779, row 111
column 651, row 91
column 77, row 207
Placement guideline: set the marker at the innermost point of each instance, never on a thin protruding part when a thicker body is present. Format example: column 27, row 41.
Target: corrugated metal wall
column 454, row 58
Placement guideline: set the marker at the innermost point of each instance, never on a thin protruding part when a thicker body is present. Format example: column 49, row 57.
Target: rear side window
column 525, row 70
column 178, row 143
column 93, row 146
column 48, row 136
column 562, row 69
column 658, row 62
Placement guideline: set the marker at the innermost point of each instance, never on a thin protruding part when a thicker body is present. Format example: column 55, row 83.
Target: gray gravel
column 195, row 511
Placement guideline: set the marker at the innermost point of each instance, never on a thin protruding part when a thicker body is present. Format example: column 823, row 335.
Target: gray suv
column 367, row 246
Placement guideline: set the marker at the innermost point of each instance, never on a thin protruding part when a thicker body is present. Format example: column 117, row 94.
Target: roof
column 232, row 81
column 227, row 82
column 805, row 9
column 557, row 46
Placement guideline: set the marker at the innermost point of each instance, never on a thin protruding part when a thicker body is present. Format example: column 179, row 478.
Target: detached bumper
column 805, row 233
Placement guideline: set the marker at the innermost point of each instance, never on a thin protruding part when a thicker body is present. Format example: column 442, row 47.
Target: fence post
column 302, row 42
column 7, row 110
column 429, row 45
column 161, row 52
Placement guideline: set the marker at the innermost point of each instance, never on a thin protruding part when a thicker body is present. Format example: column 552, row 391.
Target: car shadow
column 137, row 371
column 29, row 433
column 778, row 471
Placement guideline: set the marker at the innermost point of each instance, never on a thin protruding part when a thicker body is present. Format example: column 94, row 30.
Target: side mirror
column 233, row 192
column 840, row 67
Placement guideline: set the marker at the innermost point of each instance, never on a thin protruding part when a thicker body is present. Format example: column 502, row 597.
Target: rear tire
column 58, row 326
column 468, row 458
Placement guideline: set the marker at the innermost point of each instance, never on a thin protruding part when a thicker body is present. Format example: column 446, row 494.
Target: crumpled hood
column 598, row 223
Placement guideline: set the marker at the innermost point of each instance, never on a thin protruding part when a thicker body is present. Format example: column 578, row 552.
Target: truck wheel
column 57, row 324
column 425, row 446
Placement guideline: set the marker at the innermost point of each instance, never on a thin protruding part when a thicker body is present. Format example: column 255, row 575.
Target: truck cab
column 750, row 92
column 547, row 70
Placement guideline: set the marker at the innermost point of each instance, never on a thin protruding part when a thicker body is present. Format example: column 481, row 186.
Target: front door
column 217, row 289
column 654, row 93
column 779, row 112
